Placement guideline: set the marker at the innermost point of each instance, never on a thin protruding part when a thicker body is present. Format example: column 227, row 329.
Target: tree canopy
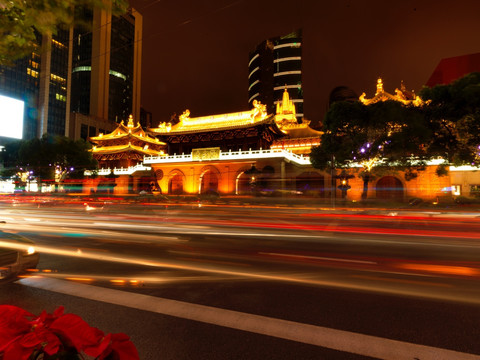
column 453, row 113
column 45, row 157
column 386, row 134
column 374, row 137
column 22, row 20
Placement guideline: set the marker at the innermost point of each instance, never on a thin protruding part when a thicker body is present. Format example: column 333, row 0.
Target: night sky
column 195, row 52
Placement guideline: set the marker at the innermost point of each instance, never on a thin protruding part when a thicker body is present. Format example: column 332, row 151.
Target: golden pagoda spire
column 379, row 86
column 286, row 106
column 286, row 113
column 130, row 121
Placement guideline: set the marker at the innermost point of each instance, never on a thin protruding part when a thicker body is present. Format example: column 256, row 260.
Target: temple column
column 225, row 187
column 194, row 182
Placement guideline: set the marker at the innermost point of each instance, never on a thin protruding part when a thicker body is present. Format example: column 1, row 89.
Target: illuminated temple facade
column 234, row 153
column 126, row 146
column 123, row 151
column 237, row 153
column 250, row 152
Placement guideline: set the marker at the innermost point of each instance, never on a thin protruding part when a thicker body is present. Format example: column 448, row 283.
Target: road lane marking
column 340, row 340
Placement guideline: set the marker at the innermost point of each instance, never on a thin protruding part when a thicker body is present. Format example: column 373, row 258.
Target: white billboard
column 11, row 117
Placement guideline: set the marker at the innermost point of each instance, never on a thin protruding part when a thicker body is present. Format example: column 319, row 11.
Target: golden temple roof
column 402, row 95
column 125, row 148
column 127, row 131
column 302, row 130
column 287, row 121
column 187, row 124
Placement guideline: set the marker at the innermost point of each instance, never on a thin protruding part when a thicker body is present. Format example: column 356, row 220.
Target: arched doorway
column 389, row 188
column 310, row 183
column 175, row 185
column 243, row 184
column 208, row 182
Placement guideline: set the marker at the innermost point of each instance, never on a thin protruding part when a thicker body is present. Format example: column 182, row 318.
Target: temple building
column 461, row 181
column 402, row 95
column 123, row 150
column 253, row 129
column 253, row 152
column 299, row 137
column 238, row 153
column 125, row 146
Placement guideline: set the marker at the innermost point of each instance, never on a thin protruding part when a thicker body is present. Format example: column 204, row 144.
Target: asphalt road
column 258, row 283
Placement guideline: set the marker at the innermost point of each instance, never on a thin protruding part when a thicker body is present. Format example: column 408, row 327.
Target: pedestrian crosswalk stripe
column 340, row 340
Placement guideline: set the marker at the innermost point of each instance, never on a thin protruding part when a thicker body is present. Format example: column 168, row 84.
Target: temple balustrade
column 233, row 155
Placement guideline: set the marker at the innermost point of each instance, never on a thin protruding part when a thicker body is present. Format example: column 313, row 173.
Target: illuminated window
column 294, row 44
column 256, row 56
column 298, row 86
column 117, row 74
column 257, row 68
column 299, row 72
column 60, row 97
column 59, row 44
column 82, row 68
column 32, row 73
column 58, row 79
column 456, row 190
column 288, row 59
column 253, row 84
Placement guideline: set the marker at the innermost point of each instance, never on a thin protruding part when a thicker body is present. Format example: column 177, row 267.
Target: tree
column 22, row 20
column 375, row 137
column 453, row 114
column 49, row 158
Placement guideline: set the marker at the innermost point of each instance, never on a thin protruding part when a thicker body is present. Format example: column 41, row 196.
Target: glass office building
column 22, row 81
column 40, row 80
column 93, row 71
column 56, row 81
column 106, row 62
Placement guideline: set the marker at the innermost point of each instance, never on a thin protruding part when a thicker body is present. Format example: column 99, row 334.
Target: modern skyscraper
column 276, row 65
column 53, row 107
column 106, row 66
column 41, row 82
column 22, row 81
column 93, row 72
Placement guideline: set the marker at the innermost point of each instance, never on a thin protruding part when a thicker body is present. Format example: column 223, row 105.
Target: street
column 232, row 282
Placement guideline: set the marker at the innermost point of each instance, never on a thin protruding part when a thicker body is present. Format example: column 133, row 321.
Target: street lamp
column 252, row 173
column 344, row 187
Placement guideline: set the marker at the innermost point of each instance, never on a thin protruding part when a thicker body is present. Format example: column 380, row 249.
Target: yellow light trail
column 441, row 269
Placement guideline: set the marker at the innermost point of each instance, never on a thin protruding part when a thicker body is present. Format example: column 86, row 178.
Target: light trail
column 205, row 223
column 315, row 279
column 125, row 280
column 307, row 257
column 441, row 269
